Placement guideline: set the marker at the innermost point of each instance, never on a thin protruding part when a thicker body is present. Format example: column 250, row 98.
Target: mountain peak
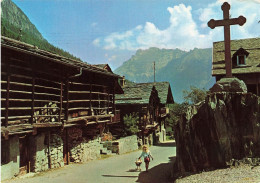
column 181, row 68
column 16, row 25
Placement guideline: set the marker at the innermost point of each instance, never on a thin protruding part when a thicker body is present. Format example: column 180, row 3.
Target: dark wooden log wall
column 35, row 90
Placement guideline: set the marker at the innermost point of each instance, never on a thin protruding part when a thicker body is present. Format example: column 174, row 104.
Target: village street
column 119, row 168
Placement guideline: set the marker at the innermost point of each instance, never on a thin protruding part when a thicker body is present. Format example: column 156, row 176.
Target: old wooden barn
column 53, row 109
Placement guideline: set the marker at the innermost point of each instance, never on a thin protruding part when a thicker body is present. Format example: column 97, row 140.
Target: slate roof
column 33, row 50
column 139, row 93
column 252, row 46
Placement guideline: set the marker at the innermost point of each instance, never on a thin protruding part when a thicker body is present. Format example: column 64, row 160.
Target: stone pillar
column 11, row 163
column 56, row 151
column 38, row 151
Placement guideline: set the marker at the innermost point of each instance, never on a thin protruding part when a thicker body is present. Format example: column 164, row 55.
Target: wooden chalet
column 245, row 55
column 44, row 93
column 150, row 101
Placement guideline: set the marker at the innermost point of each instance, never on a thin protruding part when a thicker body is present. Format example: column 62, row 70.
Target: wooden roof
column 33, row 50
column 139, row 93
column 252, row 46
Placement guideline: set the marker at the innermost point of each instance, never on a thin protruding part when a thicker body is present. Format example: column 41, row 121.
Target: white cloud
column 183, row 32
column 96, row 42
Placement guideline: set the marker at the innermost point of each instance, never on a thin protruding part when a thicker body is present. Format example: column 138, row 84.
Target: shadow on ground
column 126, row 176
column 167, row 144
column 161, row 173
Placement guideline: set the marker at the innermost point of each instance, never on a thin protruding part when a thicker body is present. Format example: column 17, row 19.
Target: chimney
column 122, row 81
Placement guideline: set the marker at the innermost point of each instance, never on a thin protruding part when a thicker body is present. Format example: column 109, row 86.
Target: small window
column 241, row 59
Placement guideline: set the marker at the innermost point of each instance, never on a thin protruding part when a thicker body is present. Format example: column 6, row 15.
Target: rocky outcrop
column 224, row 127
column 229, row 85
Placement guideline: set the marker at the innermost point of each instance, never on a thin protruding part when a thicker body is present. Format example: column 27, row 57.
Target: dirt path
column 120, row 169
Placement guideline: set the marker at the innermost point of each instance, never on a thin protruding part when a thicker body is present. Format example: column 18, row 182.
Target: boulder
column 229, row 85
column 226, row 126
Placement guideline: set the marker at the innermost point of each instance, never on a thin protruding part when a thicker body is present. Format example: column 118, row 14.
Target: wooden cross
column 226, row 22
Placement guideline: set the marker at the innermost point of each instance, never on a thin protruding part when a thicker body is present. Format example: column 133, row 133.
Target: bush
column 131, row 124
column 195, row 95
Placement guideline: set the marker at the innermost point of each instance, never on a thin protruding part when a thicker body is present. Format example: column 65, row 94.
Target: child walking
column 147, row 155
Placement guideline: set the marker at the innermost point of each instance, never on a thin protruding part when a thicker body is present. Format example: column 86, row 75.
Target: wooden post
column 60, row 113
column 99, row 104
column 67, row 99
column 108, row 103
column 90, row 102
column 257, row 88
column 49, row 153
column 7, row 99
column 33, row 97
column 67, row 147
column 114, row 108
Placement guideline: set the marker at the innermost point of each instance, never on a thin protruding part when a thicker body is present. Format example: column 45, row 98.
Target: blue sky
column 110, row 31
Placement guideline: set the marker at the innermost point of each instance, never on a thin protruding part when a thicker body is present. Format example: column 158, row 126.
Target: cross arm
column 233, row 21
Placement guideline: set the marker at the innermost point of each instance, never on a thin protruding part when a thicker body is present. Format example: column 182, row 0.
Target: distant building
column 245, row 55
column 53, row 109
column 103, row 66
column 150, row 101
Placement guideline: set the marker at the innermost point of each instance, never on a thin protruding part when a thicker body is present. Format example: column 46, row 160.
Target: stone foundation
column 39, row 154
column 84, row 150
column 39, row 143
column 56, row 151
column 10, row 158
column 81, row 148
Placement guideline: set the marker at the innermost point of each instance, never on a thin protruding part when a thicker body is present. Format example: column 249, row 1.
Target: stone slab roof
column 139, row 93
column 33, row 50
column 252, row 46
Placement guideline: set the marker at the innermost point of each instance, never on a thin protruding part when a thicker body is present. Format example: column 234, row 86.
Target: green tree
column 131, row 124
column 195, row 95
column 176, row 110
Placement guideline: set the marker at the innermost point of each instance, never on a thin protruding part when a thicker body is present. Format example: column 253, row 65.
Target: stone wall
column 85, row 150
column 122, row 145
column 10, row 158
column 42, row 156
column 56, row 151
column 39, row 152
column 127, row 144
column 81, row 148
column 225, row 126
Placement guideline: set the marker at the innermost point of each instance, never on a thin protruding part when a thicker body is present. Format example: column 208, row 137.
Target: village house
column 149, row 101
column 54, row 109
column 245, row 54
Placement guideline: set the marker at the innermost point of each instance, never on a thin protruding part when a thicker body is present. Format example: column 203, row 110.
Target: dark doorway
column 24, row 145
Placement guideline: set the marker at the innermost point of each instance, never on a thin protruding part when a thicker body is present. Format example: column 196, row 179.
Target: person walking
column 147, row 155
